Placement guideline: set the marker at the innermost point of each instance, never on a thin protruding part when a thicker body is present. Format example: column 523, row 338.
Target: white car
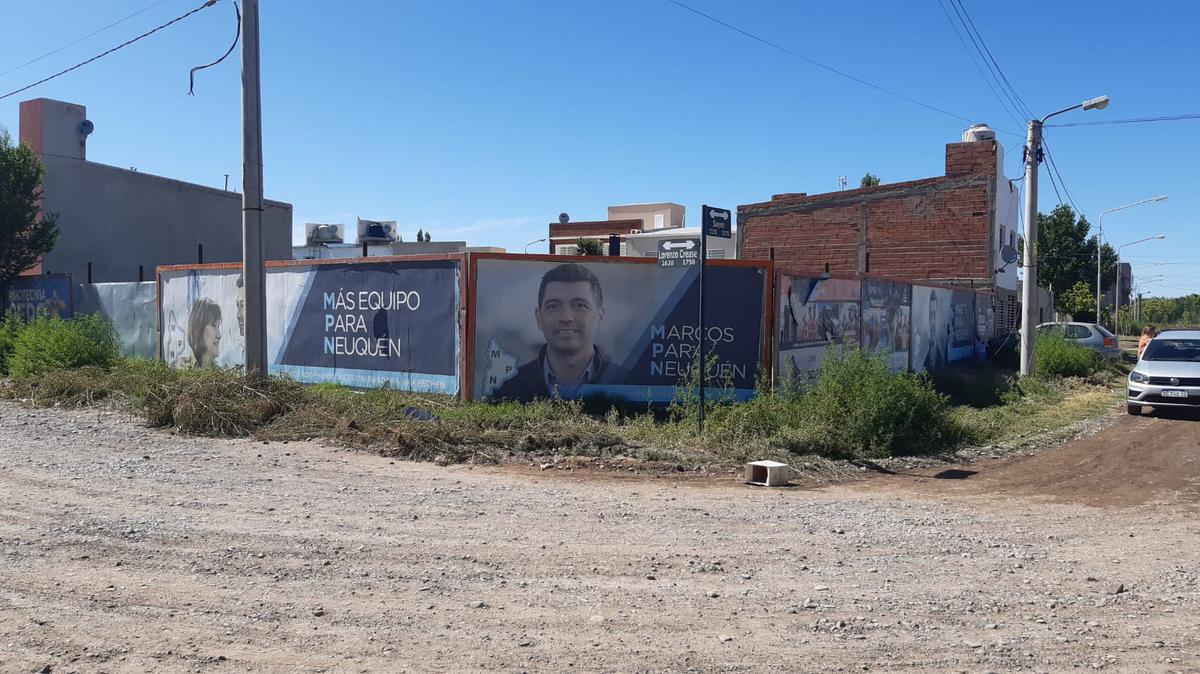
column 1167, row 374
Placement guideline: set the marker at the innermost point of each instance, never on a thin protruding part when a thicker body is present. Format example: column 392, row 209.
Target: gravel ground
column 127, row 549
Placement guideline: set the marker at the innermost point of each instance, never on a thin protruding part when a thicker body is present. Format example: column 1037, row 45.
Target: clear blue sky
column 484, row 120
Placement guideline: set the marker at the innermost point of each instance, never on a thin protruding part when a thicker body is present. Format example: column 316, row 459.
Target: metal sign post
column 715, row 222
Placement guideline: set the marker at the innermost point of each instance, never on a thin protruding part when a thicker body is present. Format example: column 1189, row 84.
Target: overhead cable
column 207, row 4
column 75, row 42
column 823, row 66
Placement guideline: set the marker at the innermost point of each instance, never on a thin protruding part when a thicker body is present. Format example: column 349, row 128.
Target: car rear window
column 1104, row 331
column 1173, row 350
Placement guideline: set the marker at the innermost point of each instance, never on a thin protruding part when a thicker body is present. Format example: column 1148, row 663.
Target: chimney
column 56, row 128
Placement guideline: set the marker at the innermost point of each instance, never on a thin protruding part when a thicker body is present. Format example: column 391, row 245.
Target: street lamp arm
column 1059, row 112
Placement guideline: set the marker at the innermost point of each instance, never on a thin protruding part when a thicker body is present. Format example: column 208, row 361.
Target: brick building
column 950, row 230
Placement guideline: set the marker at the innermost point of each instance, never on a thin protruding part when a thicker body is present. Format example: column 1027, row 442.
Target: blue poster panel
column 49, row 294
column 393, row 323
column 886, row 315
column 618, row 329
column 962, row 346
column 817, row 316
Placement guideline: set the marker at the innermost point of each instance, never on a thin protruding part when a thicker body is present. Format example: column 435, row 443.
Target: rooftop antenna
column 841, row 182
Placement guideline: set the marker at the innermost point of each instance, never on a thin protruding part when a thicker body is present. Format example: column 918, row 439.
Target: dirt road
column 125, row 549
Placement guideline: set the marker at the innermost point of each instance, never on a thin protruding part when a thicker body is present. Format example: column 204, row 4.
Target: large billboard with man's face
column 393, row 323
column 616, row 328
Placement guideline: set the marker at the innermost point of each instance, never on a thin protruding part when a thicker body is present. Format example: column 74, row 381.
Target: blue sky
column 483, row 120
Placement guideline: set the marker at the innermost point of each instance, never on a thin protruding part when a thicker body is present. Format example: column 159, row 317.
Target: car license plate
column 1174, row 394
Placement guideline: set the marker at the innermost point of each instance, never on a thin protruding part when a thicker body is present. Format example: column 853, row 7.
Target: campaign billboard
column 131, row 307
column 886, row 321
column 48, row 294
column 362, row 324
column 816, row 316
column 932, row 327
column 625, row 328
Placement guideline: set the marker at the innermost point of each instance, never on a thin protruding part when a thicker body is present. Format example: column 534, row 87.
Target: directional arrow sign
column 688, row 244
column 678, row 252
column 717, row 222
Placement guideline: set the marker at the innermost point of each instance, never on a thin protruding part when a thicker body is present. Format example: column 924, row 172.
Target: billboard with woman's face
column 610, row 327
column 392, row 323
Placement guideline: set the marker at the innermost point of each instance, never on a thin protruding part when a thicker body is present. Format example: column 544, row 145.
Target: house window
column 1012, row 239
column 566, row 250
column 716, row 254
column 1003, row 236
column 659, row 221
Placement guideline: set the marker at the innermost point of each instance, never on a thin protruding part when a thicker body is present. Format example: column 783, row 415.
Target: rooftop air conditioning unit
column 317, row 234
column 376, row 231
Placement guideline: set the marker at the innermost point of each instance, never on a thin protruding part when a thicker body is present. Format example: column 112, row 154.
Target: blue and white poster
column 618, row 329
column 358, row 324
column 48, row 294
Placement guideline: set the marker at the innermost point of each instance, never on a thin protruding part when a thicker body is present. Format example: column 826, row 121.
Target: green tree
column 420, row 235
column 1080, row 302
column 1066, row 255
column 428, row 237
column 25, row 232
column 869, row 180
column 589, row 246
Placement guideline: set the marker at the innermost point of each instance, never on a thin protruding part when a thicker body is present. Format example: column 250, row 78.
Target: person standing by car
column 1147, row 335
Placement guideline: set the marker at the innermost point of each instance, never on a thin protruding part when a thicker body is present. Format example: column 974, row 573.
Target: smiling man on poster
column 569, row 311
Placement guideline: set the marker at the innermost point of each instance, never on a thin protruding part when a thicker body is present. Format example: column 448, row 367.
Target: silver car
column 1093, row 336
column 1168, row 373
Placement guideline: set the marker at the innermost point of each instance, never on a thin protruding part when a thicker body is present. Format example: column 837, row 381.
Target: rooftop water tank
column 977, row 132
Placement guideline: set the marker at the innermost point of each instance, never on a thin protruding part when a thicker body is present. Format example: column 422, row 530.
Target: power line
column 91, row 34
column 1025, row 108
column 985, row 54
column 1054, row 168
column 1133, row 120
column 978, row 67
column 823, row 66
column 207, row 4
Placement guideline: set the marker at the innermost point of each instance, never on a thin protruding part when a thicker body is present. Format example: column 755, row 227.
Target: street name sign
column 678, row 252
column 717, row 222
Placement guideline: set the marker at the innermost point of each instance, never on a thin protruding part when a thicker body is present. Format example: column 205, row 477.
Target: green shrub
column 858, row 407
column 46, row 344
column 1058, row 357
column 10, row 329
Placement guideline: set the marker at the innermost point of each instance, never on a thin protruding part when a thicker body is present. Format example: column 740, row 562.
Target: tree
column 869, row 180
column 1066, row 255
column 428, row 237
column 589, row 246
column 25, row 232
column 1080, row 302
column 420, row 235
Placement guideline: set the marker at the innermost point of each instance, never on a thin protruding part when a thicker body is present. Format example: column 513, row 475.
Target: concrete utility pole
column 253, row 270
column 1033, row 151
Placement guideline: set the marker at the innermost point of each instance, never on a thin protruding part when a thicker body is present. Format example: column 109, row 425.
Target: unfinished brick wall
column 935, row 229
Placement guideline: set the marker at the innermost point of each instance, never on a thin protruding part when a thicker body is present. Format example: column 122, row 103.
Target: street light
column 531, row 243
column 1117, row 295
column 1033, row 152
column 1100, row 242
